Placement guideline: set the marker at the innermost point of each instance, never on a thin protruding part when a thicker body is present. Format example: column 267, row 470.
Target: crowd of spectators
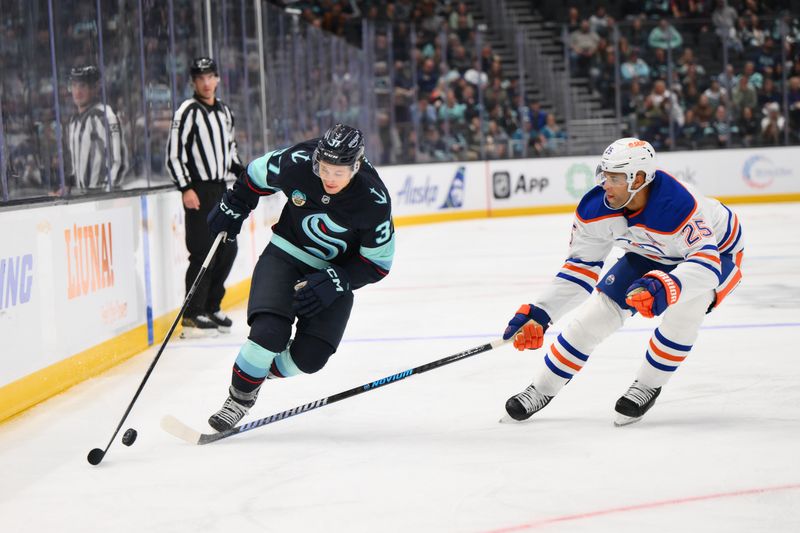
column 462, row 106
column 676, row 89
column 441, row 92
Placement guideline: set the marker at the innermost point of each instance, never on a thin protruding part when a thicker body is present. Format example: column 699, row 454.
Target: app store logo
column 501, row 185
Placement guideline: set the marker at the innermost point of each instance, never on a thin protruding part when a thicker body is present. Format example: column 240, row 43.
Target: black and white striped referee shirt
column 97, row 148
column 202, row 144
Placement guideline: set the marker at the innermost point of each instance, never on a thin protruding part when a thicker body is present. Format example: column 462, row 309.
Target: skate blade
column 506, row 419
column 223, row 330
column 623, row 420
column 196, row 333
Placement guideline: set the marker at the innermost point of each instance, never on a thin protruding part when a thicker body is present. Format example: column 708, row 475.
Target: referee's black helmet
column 203, row 65
column 87, row 74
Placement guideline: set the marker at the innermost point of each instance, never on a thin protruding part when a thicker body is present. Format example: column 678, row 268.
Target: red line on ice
column 651, row 505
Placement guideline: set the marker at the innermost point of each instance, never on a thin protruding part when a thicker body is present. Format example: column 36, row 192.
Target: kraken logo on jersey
column 317, row 228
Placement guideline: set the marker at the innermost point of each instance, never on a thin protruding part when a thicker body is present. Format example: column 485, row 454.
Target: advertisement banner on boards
column 539, row 182
column 96, row 290
column 435, row 188
column 24, row 277
column 751, row 172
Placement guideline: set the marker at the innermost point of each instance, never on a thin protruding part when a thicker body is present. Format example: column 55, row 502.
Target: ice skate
column 222, row 321
column 521, row 406
column 632, row 406
column 233, row 410
column 199, row 326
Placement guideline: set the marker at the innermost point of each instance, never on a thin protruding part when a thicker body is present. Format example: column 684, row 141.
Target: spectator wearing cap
column 201, row 155
column 95, row 141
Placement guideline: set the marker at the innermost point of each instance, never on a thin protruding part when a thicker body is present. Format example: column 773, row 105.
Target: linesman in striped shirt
column 96, row 145
column 201, row 155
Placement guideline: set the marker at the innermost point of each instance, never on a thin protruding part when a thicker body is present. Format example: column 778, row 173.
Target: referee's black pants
column 209, row 292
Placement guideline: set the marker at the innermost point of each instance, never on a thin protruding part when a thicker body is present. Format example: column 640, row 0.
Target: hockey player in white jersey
column 683, row 254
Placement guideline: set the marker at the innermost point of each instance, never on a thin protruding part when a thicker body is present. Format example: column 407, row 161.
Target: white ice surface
column 718, row 452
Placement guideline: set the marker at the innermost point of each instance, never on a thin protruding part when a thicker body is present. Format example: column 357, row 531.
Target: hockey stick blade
column 175, row 427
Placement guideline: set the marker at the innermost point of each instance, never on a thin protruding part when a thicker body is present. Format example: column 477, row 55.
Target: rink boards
column 87, row 285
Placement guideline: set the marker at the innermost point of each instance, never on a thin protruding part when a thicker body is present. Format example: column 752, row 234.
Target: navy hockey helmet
column 342, row 145
column 203, row 65
column 85, row 74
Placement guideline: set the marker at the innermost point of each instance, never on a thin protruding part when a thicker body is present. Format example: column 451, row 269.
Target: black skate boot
column 222, row 321
column 235, row 407
column 198, row 326
column 521, row 406
column 632, row 406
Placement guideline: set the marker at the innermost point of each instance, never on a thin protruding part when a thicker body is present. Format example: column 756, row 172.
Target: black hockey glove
column 230, row 213
column 319, row 290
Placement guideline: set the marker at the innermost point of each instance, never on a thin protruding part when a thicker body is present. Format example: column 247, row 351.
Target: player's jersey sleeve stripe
column 575, row 280
column 598, row 264
column 712, row 268
column 596, row 219
column 588, row 273
column 732, row 234
column 381, row 257
column 298, row 253
column 713, row 258
column 731, row 281
column 729, row 224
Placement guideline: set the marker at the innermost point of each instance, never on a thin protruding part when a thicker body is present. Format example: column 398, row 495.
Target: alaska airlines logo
column 427, row 193
column 455, row 196
column 317, row 228
column 412, row 193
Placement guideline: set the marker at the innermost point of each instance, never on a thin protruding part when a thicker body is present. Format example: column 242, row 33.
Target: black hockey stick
column 172, row 425
column 96, row 455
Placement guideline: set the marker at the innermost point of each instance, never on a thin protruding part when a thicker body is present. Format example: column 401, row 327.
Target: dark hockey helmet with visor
column 88, row 74
column 341, row 145
column 203, row 65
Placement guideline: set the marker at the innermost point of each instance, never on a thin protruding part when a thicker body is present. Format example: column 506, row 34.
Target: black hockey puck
column 129, row 437
column 95, row 456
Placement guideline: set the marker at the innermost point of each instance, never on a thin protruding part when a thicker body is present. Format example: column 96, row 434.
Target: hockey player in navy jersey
column 683, row 254
column 334, row 235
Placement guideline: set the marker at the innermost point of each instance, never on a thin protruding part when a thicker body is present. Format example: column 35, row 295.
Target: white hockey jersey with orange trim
column 678, row 226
